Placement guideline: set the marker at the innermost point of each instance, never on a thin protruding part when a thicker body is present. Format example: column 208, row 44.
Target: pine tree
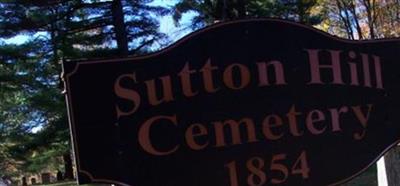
column 211, row 11
column 30, row 94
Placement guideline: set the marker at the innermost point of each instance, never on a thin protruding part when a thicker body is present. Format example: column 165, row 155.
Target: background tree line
column 34, row 134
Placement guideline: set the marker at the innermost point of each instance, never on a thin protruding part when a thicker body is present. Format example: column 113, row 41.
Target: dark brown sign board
column 252, row 102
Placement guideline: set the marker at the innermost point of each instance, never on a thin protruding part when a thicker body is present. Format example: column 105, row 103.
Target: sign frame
column 87, row 176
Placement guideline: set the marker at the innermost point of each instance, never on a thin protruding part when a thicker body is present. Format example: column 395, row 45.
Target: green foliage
column 296, row 10
column 34, row 132
column 28, row 100
column 211, row 11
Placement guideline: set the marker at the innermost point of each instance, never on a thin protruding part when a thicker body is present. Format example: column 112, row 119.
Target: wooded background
column 34, row 133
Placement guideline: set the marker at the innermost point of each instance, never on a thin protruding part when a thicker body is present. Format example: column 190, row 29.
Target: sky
column 167, row 25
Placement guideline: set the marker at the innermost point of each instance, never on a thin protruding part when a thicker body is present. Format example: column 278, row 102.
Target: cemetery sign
column 252, row 102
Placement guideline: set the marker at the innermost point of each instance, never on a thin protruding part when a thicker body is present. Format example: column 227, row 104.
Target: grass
column 69, row 183
column 368, row 178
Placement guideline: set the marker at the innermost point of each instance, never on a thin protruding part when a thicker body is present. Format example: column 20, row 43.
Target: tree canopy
column 33, row 121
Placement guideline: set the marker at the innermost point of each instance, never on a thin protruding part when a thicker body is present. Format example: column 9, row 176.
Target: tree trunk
column 69, row 174
column 355, row 17
column 370, row 9
column 225, row 10
column 392, row 163
column 241, row 8
column 341, row 8
column 119, row 28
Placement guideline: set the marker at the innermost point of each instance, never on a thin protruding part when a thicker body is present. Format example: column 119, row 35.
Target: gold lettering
column 144, row 135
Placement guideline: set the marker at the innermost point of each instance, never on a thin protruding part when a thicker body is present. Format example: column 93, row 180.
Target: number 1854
column 257, row 169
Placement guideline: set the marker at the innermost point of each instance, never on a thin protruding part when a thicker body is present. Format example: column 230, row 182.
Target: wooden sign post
column 253, row 102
